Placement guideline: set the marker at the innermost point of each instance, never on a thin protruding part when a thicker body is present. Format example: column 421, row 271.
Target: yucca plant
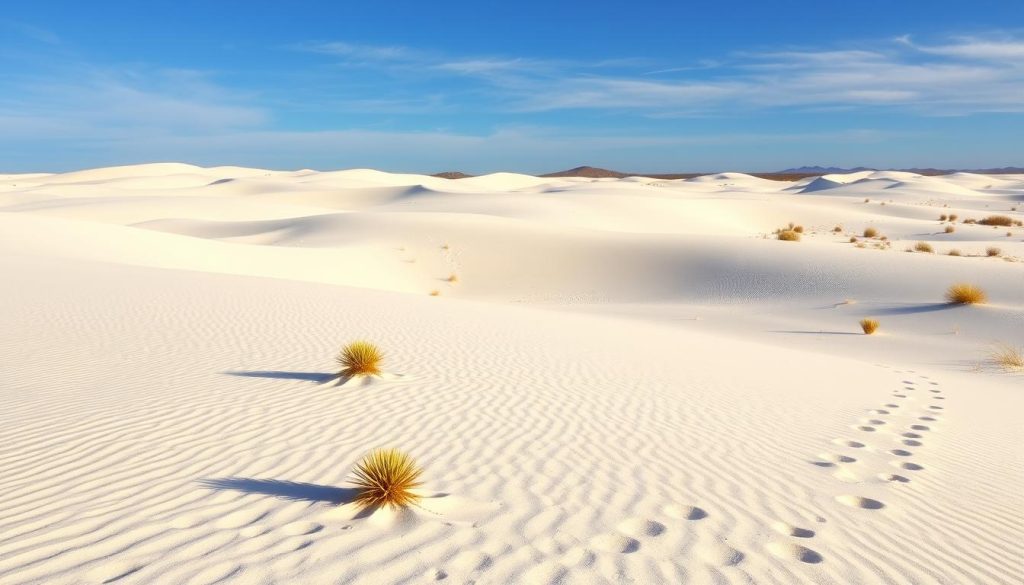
column 965, row 294
column 1007, row 357
column 360, row 358
column 386, row 477
column 869, row 326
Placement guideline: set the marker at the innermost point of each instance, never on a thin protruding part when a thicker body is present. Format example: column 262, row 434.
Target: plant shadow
column 317, row 377
column 912, row 309
column 818, row 332
column 295, row 491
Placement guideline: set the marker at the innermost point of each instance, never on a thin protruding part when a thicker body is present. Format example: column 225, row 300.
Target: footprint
column 921, row 427
column 794, row 552
column 892, row 405
column 878, row 411
column 935, row 391
column 938, row 397
column 790, row 530
column 912, row 443
column 911, row 435
column 893, row 477
column 719, row 555
column 865, row 428
column 436, row 574
column 873, row 421
column 616, row 543
column 900, row 395
column 641, row 527
column 849, row 443
column 837, row 458
column 901, row 453
column 908, row 465
column 860, row 502
column 936, row 407
column 926, row 418
column 680, row 512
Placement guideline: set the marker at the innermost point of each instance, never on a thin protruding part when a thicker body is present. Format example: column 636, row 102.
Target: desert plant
column 943, row 217
column 453, row 278
column 954, row 252
column 789, row 236
column 435, row 293
column 950, row 229
column 997, row 220
column 853, row 240
column 953, row 216
column 923, row 247
column 963, row 293
column 837, row 229
column 869, row 326
column 1007, row 357
column 360, row 358
column 799, row 229
column 870, row 232
column 970, row 220
column 386, row 477
column 992, row 251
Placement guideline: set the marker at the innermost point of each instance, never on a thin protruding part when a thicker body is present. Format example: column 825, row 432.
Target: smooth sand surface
column 629, row 381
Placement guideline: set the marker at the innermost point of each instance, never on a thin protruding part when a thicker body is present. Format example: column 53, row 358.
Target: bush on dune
column 869, row 326
column 788, row 236
column 360, row 358
column 386, row 477
column 923, row 247
column 1007, row 357
column 997, row 220
column 963, row 293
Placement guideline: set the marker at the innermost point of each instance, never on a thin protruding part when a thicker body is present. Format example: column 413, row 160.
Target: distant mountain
column 452, row 175
column 821, row 170
column 588, row 172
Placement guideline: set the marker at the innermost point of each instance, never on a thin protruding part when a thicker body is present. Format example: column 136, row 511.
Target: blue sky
column 520, row 86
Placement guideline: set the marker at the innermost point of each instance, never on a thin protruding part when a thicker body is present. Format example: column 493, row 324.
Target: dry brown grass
column 943, row 217
column 993, row 251
column 435, row 293
column 998, row 220
column 869, row 326
column 799, row 229
column 953, row 216
column 453, row 278
column 870, row 232
column 837, row 229
column 954, row 252
column 853, row 240
column 386, row 477
column 963, row 293
column 360, row 358
column 1007, row 357
column 950, row 229
column 923, row 247
column 788, row 236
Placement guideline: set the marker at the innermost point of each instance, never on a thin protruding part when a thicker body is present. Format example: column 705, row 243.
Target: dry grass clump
column 923, row 247
column 360, row 358
column 970, row 220
column 1007, row 357
column 943, row 217
column 870, row 232
column 435, row 293
column 386, row 477
column 869, row 326
column 798, row 229
column 993, row 251
column 953, row 216
column 788, row 235
column 954, row 252
column 853, row 240
column 837, row 229
column 950, row 229
column 453, row 278
column 963, row 293
column 999, row 220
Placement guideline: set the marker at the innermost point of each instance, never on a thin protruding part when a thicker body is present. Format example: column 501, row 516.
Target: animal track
column 860, row 502
column 680, row 512
column 901, row 452
column 849, row 443
column 790, row 530
column 794, row 552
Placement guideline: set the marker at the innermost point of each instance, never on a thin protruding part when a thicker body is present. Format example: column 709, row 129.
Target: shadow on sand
column 912, row 309
column 317, row 377
column 286, row 490
column 818, row 332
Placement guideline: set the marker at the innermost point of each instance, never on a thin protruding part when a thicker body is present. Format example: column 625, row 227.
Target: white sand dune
column 631, row 381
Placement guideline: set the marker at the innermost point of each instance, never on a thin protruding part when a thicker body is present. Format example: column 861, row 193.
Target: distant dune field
column 605, row 380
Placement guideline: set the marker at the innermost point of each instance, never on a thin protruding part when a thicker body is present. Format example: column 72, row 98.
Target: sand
column 630, row 380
